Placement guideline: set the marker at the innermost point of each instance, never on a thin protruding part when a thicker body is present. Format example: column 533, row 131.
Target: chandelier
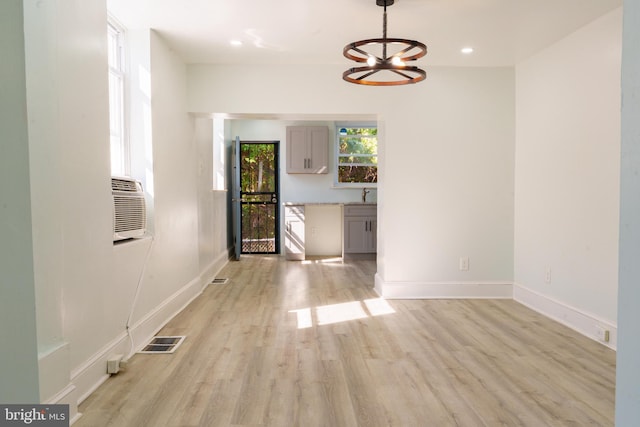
column 386, row 58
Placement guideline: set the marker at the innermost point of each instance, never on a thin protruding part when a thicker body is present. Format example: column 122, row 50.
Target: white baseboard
column 584, row 323
column 211, row 271
column 53, row 369
column 55, row 388
column 67, row 396
column 443, row 290
column 90, row 375
column 144, row 329
column 93, row 372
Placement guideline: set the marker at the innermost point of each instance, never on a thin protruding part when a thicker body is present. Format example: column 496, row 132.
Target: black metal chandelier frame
column 393, row 65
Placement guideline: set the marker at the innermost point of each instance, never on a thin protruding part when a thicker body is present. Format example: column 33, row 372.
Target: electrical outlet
column 602, row 333
column 464, row 263
column 114, row 364
column 547, row 275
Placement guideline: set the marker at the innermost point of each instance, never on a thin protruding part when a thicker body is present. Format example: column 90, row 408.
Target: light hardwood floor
column 310, row 344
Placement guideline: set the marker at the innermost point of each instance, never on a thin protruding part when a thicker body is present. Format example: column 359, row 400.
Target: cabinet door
column 356, row 234
column 318, row 150
column 297, row 149
column 373, row 234
column 307, row 149
column 294, row 232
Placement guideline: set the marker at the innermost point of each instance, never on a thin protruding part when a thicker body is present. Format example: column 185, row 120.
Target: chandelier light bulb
column 371, row 61
column 396, row 60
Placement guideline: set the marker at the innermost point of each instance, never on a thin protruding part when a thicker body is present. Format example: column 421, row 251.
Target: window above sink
column 356, row 155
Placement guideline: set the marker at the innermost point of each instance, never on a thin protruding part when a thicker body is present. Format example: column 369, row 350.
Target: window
column 357, row 155
column 117, row 128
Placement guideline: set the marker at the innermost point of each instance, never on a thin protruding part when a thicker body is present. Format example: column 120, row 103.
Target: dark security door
column 258, row 196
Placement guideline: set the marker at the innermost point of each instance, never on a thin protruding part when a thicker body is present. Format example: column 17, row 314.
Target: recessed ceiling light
column 235, row 43
column 466, row 50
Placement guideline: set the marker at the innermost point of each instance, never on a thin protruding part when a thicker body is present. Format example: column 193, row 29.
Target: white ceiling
column 502, row 32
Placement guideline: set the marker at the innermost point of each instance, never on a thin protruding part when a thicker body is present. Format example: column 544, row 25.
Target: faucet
column 364, row 195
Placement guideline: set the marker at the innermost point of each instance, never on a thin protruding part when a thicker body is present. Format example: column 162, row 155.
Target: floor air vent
column 223, row 281
column 163, row 345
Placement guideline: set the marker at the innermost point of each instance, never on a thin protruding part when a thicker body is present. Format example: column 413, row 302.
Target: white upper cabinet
column 307, row 149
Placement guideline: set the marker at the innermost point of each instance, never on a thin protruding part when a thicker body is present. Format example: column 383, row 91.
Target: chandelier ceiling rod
column 384, row 31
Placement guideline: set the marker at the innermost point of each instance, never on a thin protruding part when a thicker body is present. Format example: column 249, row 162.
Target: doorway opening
column 259, row 192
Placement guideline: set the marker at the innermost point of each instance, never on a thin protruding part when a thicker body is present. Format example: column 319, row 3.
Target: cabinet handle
column 309, row 163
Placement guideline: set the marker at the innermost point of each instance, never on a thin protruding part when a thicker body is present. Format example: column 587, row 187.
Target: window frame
column 336, row 175
column 118, row 72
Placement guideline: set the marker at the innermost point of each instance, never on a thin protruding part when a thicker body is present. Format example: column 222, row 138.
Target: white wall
column 71, row 207
column 86, row 288
column 174, row 258
column 18, row 358
column 567, row 176
column 448, row 192
column 628, row 356
column 212, row 202
column 446, row 187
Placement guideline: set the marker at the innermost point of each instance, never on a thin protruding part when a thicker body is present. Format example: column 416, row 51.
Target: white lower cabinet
column 358, row 231
column 294, row 232
column 360, row 228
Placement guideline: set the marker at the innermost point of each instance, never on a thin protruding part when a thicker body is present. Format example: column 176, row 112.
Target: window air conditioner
column 129, row 208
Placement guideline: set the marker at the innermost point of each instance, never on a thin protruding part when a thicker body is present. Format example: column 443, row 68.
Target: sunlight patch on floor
column 334, row 260
column 304, row 318
column 342, row 312
column 378, row 306
column 336, row 313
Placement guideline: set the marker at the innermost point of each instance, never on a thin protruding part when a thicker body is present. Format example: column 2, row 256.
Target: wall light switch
column 464, row 263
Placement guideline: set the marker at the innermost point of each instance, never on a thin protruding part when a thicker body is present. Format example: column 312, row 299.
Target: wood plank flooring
column 310, row 344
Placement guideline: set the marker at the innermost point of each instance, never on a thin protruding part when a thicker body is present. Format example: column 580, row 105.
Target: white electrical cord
column 135, row 299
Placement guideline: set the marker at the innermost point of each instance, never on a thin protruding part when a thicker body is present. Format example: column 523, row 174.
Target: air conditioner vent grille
column 118, row 184
column 129, row 209
column 130, row 213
